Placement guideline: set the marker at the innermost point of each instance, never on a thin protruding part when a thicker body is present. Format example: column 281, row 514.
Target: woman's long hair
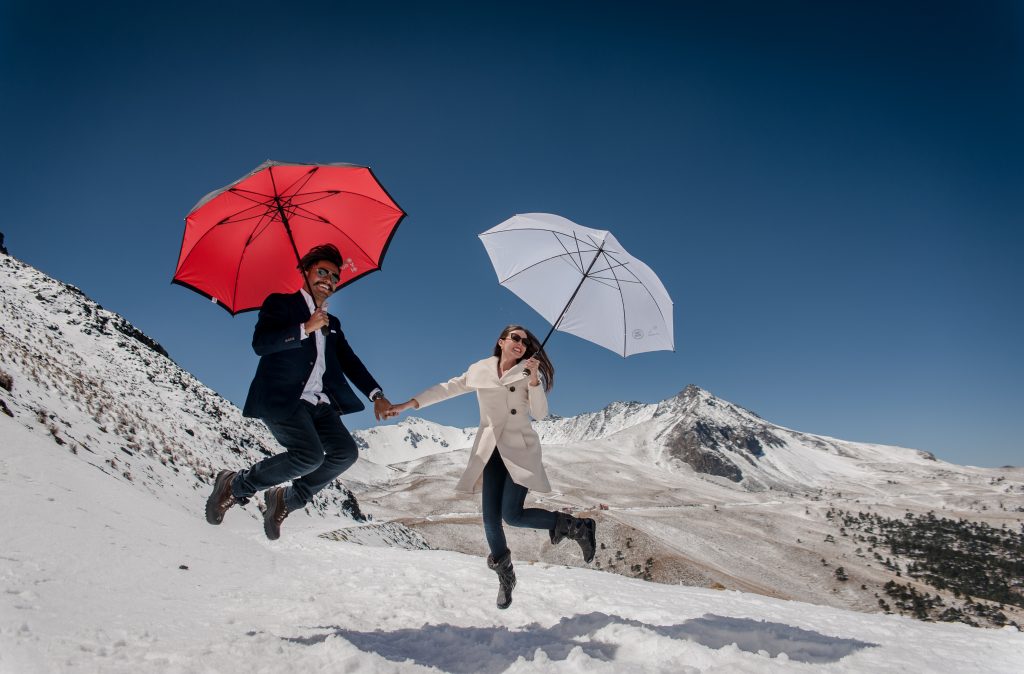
column 547, row 370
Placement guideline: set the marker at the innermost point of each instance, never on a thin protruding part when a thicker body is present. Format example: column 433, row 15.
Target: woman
column 505, row 461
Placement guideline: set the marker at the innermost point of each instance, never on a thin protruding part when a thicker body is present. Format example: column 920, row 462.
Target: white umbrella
column 582, row 281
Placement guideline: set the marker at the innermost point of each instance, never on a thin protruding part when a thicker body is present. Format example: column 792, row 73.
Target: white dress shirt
column 313, row 393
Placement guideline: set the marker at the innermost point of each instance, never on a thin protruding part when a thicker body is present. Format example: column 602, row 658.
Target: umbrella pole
column 586, row 275
column 291, row 240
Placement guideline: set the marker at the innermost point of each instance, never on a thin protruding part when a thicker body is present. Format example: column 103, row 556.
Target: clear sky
column 832, row 192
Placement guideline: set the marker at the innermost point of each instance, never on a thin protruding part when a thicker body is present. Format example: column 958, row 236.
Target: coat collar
column 484, row 374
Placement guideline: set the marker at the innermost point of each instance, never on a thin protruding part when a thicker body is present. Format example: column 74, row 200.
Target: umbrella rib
column 547, row 259
column 644, row 286
column 252, row 195
column 576, row 240
column 231, row 219
column 391, row 206
column 601, row 281
column 622, row 301
column 561, row 243
column 555, row 232
column 196, row 245
column 375, row 263
column 320, row 196
column 245, row 249
column 304, row 178
column 265, row 221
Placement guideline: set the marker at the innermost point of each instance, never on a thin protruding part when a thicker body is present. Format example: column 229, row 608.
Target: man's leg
column 339, row 453
column 304, row 454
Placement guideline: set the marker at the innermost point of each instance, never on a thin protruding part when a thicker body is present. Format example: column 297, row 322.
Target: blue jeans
column 503, row 499
column 319, row 449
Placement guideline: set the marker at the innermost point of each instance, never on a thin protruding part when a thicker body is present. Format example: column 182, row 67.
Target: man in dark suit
column 298, row 391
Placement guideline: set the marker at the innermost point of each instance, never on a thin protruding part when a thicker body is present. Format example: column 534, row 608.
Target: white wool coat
column 506, row 405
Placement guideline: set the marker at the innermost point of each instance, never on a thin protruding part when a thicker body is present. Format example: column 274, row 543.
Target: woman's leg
column 493, row 487
column 515, row 515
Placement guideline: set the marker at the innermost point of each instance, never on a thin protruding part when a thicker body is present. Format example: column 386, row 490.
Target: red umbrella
column 243, row 241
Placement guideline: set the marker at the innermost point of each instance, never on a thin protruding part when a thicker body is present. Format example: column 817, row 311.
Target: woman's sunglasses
column 516, row 338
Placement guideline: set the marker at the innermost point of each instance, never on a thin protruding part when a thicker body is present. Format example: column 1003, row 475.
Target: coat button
column 513, row 411
column 512, row 388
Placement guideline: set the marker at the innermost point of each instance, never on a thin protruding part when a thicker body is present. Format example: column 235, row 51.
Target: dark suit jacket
column 287, row 360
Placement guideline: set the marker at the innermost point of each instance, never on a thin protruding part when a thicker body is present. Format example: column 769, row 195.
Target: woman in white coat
column 506, row 461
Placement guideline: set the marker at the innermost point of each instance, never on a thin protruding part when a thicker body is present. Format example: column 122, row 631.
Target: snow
column 92, row 577
column 107, row 450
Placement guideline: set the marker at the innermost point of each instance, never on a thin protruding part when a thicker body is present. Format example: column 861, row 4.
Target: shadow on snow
column 471, row 649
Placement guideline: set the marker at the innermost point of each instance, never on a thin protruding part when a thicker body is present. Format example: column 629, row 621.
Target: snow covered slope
column 693, row 489
column 100, row 576
column 103, row 391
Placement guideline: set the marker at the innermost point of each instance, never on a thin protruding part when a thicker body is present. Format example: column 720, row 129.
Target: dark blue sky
column 831, row 191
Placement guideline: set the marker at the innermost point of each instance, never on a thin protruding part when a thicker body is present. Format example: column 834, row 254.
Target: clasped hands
column 383, row 409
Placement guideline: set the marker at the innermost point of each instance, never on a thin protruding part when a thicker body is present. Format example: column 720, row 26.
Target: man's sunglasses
column 323, row 273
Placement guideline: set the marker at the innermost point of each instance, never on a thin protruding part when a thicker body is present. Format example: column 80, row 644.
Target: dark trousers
column 319, row 449
column 503, row 499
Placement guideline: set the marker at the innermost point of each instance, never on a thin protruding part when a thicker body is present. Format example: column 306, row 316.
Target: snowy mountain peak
column 411, row 438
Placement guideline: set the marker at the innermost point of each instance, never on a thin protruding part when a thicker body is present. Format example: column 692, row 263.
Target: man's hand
column 382, row 409
column 410, row 404
column 318, row 320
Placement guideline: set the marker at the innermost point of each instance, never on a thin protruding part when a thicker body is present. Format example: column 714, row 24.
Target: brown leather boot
column 221, row 498
column 275, row 513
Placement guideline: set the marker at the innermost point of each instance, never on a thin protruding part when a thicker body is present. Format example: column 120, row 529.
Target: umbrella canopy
column 243, row 241
column 582, row 281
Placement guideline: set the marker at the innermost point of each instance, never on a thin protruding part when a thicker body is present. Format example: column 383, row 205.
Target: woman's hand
column 410, row 404
column 533, row 365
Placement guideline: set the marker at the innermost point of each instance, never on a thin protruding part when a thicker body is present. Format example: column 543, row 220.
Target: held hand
column 318, row 320
column 383, row 409
column 533, row 365
column 401, row 407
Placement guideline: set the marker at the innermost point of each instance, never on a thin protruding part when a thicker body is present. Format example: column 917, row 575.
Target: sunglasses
column 324, row 273
column 516, row 338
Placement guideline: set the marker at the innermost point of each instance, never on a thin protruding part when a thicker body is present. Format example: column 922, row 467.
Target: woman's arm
column 538, row 401
column 455, row 386
column 535, row 390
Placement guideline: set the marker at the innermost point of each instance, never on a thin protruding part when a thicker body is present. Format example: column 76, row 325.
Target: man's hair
column 327, row 251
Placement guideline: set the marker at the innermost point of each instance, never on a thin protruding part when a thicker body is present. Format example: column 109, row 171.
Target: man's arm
column 361, row 377
column 353, row 367
column 275, row 330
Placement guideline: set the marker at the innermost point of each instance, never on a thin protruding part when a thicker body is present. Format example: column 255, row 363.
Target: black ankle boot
column 582, row 530
column 506, row 577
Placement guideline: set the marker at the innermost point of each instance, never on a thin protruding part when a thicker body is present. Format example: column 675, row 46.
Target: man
column 299, row 390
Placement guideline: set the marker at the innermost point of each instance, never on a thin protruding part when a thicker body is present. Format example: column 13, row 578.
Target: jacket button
column 512, row 388
column 513, row 411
